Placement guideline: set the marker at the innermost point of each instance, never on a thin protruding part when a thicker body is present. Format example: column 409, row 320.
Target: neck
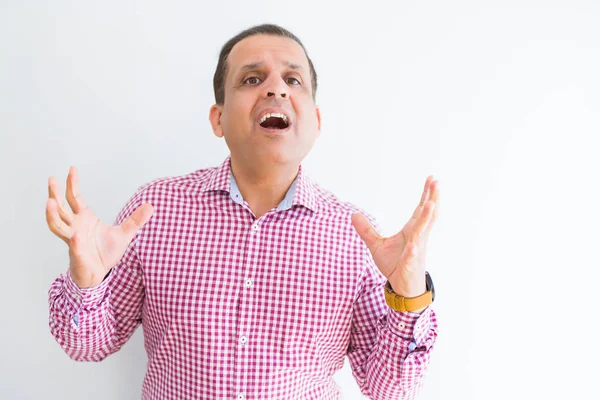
column 263, row 186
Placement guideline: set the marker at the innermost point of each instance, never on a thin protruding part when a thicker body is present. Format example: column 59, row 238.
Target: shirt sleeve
column 389, row 351
column 90, row 324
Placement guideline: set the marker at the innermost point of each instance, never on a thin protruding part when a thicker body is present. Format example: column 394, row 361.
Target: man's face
column 267, row 75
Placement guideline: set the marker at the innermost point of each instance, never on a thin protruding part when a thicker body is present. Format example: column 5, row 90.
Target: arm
column 389, row 351
column 92, row 323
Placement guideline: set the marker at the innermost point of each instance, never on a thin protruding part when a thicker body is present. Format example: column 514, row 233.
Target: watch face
column 429, row 285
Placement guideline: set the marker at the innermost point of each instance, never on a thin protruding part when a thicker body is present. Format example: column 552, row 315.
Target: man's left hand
column 401, row 258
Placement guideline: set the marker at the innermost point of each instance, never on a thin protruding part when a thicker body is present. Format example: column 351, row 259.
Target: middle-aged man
column 250, row 280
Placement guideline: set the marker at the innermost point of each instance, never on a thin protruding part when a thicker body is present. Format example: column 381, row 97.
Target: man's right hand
column 94, row 248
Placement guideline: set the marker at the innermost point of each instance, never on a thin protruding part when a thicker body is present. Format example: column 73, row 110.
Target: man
column 251, row 281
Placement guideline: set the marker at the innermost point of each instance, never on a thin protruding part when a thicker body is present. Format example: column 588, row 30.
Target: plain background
column 499, row 100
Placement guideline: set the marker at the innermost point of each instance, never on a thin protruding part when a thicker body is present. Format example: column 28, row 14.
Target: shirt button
column 243, row 340
column 248, row 283
column 241, row 396
column 401, row 325
column 255, row 227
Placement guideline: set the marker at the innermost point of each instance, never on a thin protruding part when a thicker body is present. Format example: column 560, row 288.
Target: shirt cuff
column 88, row 298
column 410, row 326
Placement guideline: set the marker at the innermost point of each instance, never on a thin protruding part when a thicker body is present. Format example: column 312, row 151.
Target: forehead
column 266, row 49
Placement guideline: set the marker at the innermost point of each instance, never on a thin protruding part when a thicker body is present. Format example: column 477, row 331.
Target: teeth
column 277, row 115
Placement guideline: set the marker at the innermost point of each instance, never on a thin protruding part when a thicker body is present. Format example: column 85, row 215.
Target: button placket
column 245, row 316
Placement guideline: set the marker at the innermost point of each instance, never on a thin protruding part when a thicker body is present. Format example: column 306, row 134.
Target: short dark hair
column 264, row 29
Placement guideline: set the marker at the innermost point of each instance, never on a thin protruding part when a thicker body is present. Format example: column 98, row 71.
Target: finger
column 426, row 190
column 424, row 196
column 435, row 197
column 53, row 193
column 136, row 220
column 73, row 196
column 424, row 219
column 366, row 231
column 55, row 223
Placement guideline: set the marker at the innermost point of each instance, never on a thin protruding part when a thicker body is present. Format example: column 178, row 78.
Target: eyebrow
column 258, row 64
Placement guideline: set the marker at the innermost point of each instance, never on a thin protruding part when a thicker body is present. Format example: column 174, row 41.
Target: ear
column 318, row 113
column 214, row 117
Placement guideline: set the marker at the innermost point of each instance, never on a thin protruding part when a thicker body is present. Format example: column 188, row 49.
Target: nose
column 276, row 87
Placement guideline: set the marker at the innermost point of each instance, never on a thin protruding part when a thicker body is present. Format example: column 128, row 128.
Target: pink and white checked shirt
column 234, row 307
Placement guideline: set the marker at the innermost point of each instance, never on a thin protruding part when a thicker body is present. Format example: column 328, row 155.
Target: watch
column 404, row 304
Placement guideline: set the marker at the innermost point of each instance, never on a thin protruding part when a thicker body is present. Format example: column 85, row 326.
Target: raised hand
column 94, row 248
column 401, row 258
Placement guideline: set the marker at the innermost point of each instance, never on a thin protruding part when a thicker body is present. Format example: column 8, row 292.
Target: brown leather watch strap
column 406, row 304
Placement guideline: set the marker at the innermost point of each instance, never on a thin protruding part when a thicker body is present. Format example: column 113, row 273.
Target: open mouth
column 274, row 121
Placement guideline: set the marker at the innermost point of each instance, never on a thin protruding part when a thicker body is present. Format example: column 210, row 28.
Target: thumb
column 136, row 220
column 365, row 230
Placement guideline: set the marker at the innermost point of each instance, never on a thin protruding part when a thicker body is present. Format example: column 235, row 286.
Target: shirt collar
column 301, row 192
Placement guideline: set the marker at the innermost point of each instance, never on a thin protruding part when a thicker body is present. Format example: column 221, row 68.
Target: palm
column 100, row 247
column 94, row 247
column 388, row 253
column 401, row 258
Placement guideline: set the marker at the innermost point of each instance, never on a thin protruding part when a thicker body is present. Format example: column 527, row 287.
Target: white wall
column 500, row 100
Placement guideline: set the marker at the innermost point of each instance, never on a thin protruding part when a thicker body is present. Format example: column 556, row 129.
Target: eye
column 294, row 79
column 254, row 79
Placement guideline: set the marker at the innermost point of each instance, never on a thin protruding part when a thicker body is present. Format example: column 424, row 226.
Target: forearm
column 83, row 321
column 404, row 344
column 394, row 365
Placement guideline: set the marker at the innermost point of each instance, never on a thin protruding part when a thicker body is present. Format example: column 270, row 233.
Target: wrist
column 406, row 300
column 86, row 282
column 415, row 289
